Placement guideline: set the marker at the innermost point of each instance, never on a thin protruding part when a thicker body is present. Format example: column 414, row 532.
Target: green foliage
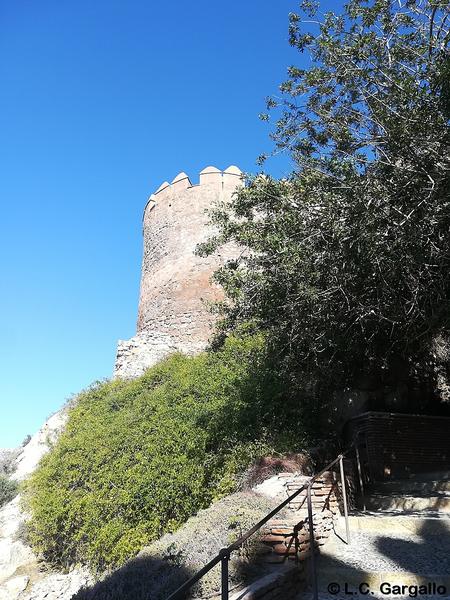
column 8, row 490
column 345, row 264
column 375, row 88
column 138, row 458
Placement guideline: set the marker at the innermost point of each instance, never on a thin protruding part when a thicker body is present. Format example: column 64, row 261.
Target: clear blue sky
column 99, row 103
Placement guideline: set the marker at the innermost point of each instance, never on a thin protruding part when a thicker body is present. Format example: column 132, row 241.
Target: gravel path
column 396, row 556
column 422, row 554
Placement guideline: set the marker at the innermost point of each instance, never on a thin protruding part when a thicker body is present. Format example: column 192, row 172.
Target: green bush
column 138, row 458
column 8, row 490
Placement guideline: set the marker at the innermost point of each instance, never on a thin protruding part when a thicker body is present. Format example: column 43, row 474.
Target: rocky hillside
column 22, row 577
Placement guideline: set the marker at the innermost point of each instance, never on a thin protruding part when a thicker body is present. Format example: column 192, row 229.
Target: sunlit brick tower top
column 175, row 282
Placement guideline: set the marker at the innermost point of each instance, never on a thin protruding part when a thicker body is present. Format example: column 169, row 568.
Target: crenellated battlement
column 176, row 283
column 228, row 180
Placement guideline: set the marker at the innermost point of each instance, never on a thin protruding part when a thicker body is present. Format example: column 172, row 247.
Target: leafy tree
column 345, row 264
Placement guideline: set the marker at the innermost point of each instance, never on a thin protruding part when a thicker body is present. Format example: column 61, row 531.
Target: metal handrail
column 224, row 555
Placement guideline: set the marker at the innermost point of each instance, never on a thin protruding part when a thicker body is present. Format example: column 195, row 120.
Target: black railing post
column 312, row 544
column 225, row 557
column 369, row 473
column 344, row 498
column 361, row 483
column 297, row 543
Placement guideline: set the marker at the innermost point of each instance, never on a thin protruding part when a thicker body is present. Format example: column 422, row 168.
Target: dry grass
column 161, row 567
column 268, row 466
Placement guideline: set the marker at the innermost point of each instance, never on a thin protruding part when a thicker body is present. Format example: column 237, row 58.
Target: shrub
column 138, row 458
column 8, row 461
column 268, row 466
column 26, row 440
column 8, row 490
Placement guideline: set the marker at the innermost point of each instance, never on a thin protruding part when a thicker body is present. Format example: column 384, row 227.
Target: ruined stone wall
column 286, row 537
column 175, row 283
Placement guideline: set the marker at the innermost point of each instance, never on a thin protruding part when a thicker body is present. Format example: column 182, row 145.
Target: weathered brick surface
column 288, row 537
column 175, row 283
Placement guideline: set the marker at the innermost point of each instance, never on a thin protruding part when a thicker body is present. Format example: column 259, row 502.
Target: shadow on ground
column 166, row 563
column 143, row 578
column 375, row 559
column 430, row 556
column 371, row 558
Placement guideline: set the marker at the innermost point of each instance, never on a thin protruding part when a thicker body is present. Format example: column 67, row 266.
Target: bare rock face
column 175, row 283
column 14, row 554
column 59, row 586
column 14, row 587
column 21, row 575
column 30, row 455
column 136, row 355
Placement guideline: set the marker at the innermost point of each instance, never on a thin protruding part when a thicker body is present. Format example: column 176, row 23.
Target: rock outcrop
column 22, row 575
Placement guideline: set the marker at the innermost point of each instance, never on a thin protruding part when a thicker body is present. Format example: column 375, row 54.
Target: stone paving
column 397, row 558
column 388, row 548
column 393, row 551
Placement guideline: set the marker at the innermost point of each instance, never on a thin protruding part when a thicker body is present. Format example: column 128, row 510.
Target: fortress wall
column 175, row 282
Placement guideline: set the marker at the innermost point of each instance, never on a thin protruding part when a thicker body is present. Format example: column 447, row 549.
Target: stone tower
column 175, row 282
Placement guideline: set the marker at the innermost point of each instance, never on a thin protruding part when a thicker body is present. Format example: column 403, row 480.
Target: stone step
column 430, row 476
column 418, row 551
column 439, row 502
column 402, row 524
column 351, row 581
column 405, row 486
column 308, row 595
column 284, row 581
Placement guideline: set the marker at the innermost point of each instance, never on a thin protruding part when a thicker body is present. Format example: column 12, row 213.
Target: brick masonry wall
column 175, row 283
column 284, row 544
column 395, row 445
column 287, row 537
